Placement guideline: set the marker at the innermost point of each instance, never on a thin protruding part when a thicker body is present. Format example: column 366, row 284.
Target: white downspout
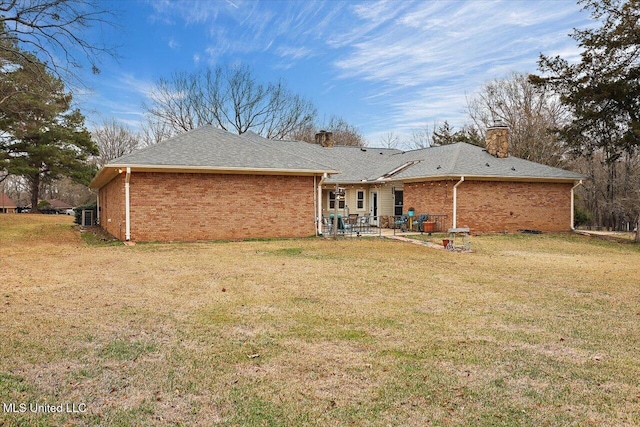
column 455, row 202
column 315, row 202
column 127, row 213
column 572, row 204
column 98, row 207
column 319, row 205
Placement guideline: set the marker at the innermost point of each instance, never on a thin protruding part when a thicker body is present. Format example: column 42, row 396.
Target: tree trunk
column 637, row 239
column 35, row 189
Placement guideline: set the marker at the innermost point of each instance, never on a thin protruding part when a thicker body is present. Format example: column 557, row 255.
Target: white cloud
column 404, row 64
column 294, row 52
column 128, row 82
column 423, row 60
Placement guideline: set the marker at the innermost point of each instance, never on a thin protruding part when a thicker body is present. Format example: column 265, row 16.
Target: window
column 332, row 201
column 360, row 199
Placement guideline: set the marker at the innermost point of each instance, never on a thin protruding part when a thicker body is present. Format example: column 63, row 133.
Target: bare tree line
column 230, row 98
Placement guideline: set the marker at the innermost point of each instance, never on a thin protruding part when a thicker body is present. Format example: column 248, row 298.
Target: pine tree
column 42, row 138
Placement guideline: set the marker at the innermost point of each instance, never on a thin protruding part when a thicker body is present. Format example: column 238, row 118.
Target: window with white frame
column 360, row 199
column 332, row 201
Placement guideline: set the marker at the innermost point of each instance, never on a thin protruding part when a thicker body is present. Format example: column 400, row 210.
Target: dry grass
column 527, row 330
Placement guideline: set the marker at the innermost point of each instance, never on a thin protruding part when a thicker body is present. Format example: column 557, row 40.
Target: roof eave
column 486, row 178
column 110, row 171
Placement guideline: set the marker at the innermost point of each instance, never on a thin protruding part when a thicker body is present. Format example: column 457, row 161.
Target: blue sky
column 382, row 66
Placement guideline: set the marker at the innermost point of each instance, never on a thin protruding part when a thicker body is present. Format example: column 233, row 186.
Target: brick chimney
column 497, row 140
column 324, row 138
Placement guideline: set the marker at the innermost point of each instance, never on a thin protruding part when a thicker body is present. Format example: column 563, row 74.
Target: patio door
column 373, row 207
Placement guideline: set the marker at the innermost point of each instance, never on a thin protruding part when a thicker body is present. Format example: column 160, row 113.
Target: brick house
column 208, row 184
column 7, row 205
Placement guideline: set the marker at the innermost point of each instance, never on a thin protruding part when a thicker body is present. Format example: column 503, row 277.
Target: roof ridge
column 456, row 155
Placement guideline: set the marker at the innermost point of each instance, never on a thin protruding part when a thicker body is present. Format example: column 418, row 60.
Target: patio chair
column 364, row 223
column 341, row 224
column 401, row 222
column 419, row 222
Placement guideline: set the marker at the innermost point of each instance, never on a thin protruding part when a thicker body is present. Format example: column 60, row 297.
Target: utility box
column 88, row 218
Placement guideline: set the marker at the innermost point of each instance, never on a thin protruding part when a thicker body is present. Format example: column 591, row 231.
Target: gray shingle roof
column 210, row 148
column 354, row 163
column 462, row 159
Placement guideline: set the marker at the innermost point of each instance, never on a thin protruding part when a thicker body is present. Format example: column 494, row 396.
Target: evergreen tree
column 41, row 138
column 445, row 134
column 602, row 91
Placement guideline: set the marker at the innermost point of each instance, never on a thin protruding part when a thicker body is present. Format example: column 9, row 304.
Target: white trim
column 398, row 170
column 502, row 178
column 108, row 172
column 320, row 207
column 315, row 202
column 572, row 204
column 127, row 210
column 374, row 217
column 455, row 201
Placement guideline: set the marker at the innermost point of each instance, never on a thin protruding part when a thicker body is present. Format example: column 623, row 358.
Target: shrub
column 581, row 217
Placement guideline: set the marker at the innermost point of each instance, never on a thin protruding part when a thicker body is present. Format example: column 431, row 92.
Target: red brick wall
column 431, row 197
column 190, row 207
column 496, row 206
column 112, row 207
column 510, row 206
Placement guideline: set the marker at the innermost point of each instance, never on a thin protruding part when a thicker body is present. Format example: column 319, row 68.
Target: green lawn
column 526, row 330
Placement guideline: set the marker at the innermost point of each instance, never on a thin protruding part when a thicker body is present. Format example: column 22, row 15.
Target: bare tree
column 343, row 132
column 67, row 190
column 178, row 103
column 531, row 114
column 422, row 138
column 230, row 98
column 390, row 140
column 56, row 32
column 155, row 131
column 114, row 140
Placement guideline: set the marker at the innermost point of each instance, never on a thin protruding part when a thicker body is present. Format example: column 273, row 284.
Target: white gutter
column 315, row 202
column 319, row 205
column 127, row 213
column 455, row 202
column 572, row 204
column 108, row 172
